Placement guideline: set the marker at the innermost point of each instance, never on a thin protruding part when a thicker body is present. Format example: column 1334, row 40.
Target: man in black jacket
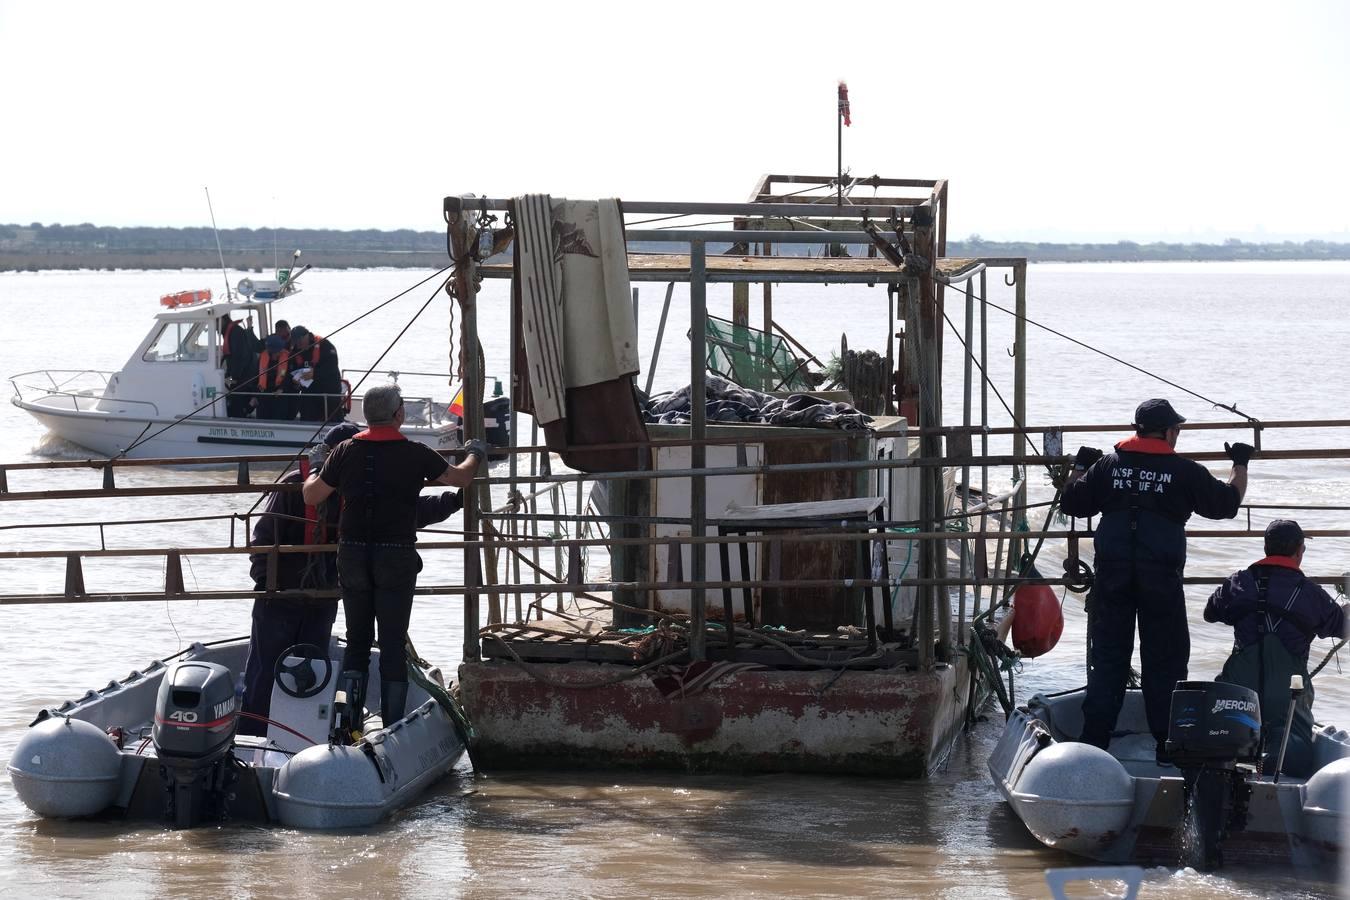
column 379, row 474
column 1276, row 612
column 239, row 357
column 1144, row 493
column 281, row 624
column 321, row 399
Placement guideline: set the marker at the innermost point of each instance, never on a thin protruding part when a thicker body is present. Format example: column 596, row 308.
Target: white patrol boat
column 168, row 400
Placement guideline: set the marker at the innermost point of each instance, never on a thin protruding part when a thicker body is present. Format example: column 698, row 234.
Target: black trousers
column 377, row 588
column 277, row 626
column 276, row 405
column 1154, row 596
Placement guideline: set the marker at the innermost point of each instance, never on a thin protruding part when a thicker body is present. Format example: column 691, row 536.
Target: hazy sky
column 1102, row 121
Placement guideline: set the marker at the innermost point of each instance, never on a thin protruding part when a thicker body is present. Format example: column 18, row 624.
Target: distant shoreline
column 65, row 247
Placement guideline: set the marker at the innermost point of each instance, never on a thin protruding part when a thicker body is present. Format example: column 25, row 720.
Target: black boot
column 393, row 701
column 349, row 711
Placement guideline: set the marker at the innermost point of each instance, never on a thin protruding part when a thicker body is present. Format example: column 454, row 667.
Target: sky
column 1182, row 120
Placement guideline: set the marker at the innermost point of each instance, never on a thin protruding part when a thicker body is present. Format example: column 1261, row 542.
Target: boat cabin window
column 180, row 342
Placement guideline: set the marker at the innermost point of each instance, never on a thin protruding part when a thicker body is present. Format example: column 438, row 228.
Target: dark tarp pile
column 729, row 402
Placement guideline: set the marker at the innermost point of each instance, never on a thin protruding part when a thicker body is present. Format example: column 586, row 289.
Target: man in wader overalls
column 379, row 474
column 281, row 624
column 1276, row 612
column 1144, row 493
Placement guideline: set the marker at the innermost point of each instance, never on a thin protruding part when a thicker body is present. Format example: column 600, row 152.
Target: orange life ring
column 184, row 298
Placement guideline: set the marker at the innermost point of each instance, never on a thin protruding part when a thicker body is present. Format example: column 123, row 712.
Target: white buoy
column 1075, row 797
column 1326, row 802
column 65, row 767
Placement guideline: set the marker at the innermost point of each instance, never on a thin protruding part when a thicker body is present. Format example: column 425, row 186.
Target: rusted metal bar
column 698, row 484
column 814, row 210
column 860, row 535
column 74, row 576
column 458, row 218
column 586, row 587
column 1015, row 545
column 656, row 348
column 168, row 491
column 173, row 574
column 821, row 435
column 924, row 462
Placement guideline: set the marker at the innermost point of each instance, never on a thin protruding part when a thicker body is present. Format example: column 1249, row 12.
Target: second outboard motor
column 196, row 716
column 1214, row 726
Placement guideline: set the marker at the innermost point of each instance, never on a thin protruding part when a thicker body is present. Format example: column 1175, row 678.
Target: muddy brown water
column 1271, row 337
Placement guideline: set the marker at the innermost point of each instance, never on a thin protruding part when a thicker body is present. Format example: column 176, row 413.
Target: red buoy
column 1038, row 620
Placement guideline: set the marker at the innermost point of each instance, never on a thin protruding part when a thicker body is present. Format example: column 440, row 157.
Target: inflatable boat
column 1122, row 805
column 163, row 745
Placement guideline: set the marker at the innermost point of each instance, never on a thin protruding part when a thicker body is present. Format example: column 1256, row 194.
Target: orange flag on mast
column 457, row 404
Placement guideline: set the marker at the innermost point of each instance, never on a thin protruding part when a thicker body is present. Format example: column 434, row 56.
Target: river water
column 1270, row 337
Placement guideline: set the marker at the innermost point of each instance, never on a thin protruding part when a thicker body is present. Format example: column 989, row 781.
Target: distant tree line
column 1130, row 251
column 38, row 246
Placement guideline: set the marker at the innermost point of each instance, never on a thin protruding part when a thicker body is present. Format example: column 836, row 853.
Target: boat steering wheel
column 301, row 672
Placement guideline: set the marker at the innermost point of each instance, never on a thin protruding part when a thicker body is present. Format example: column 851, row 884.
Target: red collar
column 1138, row 444
column 379, row 433
column 1284, row 562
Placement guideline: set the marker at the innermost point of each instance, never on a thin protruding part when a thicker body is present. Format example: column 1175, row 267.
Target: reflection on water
column 555, row 835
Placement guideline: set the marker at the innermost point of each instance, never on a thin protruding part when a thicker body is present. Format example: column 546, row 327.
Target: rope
column 1230, row 407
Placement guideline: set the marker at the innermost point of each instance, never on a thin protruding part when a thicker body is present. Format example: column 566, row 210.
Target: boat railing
column 82, row 399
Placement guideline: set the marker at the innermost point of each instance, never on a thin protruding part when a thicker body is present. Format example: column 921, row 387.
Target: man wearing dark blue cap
column 1144, row 493
column 281, row 624
column 1276, row 611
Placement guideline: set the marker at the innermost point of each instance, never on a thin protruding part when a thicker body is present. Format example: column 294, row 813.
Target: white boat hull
column 109, row 433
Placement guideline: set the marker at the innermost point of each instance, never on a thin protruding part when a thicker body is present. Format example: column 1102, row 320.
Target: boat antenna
column 229, row 297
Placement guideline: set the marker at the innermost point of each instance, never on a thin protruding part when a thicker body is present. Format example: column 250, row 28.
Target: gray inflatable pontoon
column 1123, row 806
column 97, row 755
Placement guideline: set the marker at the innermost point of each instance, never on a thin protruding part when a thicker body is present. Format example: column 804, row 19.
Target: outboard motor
column 1214, row 727
column 196, row 716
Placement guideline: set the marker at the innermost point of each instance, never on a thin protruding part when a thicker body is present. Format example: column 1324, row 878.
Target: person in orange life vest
column 1276, row 611
column 281, row 624
column 1144, row 493
column 273, row 376
column 238, row 355
column 378, row 474
column 283, row 330
column 321, row 399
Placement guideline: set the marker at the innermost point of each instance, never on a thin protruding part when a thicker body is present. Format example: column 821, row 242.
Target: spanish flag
column 457, row 404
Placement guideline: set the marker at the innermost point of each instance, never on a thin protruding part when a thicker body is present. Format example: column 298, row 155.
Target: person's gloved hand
column 1239, row 453
column 449, row 503
column 1085, row 457
column 317, row 454
column 477, row 449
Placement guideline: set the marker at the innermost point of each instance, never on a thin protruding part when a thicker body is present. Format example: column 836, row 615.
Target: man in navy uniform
column 283, row 623
column 1144, row 493
column 1275, row 612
